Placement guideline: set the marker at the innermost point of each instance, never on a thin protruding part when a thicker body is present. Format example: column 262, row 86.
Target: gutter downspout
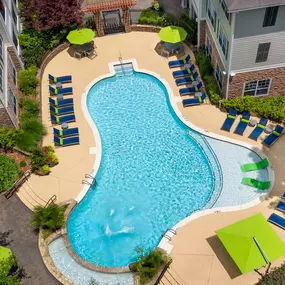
column 230, row 54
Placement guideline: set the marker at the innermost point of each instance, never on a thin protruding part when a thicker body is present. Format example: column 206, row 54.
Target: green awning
column 172, row 34
column 81, row 37
column 251, row 243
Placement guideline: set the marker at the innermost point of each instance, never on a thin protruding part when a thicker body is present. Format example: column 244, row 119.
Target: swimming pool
column 152, row 173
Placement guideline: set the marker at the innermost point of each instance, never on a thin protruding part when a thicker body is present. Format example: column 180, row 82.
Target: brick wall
column 277, row 85
column 203, row 33
column 5, row 120
column 145, row 28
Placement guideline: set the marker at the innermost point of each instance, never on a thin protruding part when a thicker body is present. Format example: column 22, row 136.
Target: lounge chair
column 186, row 80
column 242, row 124
column 277, row 220
column 62, row 79
column 190, row 90
column 194, row 101
column 184, row 72
column 66, row 133
column 229, row 120
column 283, row 196
column 63, row 119
column 260, row 185
column 281, row 206
column 65, row 141
column 273, row 137
column 60, row 102
column 63, row 91
column 255, row 166
column 177, row 63
column 258, row 129
column 61, row 111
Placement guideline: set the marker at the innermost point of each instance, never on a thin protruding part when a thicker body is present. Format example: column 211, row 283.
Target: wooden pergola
column 98, row 6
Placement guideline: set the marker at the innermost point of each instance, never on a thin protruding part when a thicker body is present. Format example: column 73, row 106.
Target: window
column 224, row 7
column 1, row 78
column 257, row 88
column 224, row 43
column 14, row 15
column 209, row 49
column 15, row 40
column 12, row 100
column 219, row 75
column 1, row 48
column 2, row 10
column 270, row 16
column 212, row 14
column 12, row 72
column 262, row 52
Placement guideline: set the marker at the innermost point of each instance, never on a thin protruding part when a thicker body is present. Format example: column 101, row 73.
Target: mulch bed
column 18, row 157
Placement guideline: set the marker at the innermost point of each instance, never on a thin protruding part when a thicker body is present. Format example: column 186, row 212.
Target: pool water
column 152, row 173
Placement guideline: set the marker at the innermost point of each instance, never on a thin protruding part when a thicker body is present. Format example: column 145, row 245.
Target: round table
column 198, row 94
column 58, row 85
column 187, row 65
column 59, row 96
column 252, row 123
column 268, row 130
column 195, row 83
column 64, row 126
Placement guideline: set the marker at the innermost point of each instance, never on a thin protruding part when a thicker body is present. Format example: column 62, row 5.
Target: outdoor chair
column 277, row 220
column 255, row 134
column 194, row 101
column 60, row 102
column 190, row 90
column 66, row 141
column 229, row 120
column 66, row 133
column 242, row 124
column 273, row 137
column 62, row 110
column 78, row 54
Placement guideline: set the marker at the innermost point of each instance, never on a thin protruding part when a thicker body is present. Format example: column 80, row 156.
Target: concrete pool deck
column 197, row 257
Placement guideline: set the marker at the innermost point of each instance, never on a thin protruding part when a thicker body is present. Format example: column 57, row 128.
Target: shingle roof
column 101, row 5
column 237, row 5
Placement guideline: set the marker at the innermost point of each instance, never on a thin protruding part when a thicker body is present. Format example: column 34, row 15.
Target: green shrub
column 49, row 218
column 23, row 163
column 8, row 137
column 204, row 63
column 38, row 159
column 30, row 109
column 269, row 107
column 28, row 80
column 9, row 271
column 151, row 17
column 45, row 169
column 9, row 172
column 149, row 265
column 190, row 26
column 275, row 277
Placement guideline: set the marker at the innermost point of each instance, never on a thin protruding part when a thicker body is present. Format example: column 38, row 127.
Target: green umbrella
column 251, row 243
column 172, row 34
column 81, row 37
column 5, row 253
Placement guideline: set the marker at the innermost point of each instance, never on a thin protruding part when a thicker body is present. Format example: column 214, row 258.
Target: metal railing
column 50, row 201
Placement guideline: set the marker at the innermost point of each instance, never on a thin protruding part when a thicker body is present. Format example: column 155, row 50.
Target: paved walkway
column 16, row 219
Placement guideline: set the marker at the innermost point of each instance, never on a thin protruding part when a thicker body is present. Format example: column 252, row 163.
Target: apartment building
column 10, row 62
column 245, row 41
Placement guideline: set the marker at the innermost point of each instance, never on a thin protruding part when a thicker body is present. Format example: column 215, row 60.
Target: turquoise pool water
column 152, row 173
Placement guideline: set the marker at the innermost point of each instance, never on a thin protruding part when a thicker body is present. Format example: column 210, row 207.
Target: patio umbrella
column 5, row 254
column 251, row 243
column 172, row 34
column 80, row 37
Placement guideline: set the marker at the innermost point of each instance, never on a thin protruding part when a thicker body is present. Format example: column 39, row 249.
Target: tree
column 45, row 14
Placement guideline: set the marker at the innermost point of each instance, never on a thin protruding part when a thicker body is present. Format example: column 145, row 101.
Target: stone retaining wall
column 145, row 28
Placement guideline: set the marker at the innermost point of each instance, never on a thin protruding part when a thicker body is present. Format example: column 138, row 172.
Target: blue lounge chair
column 186, row 80
column 66, row 133
column 63, row 119
column 177, row 63
column 65, row 141
column 63, row 91
column 61, row 111
column 229, row 120
column 184, row 72
column 60, row 102
column 242, row 124
column 273, row 137
column 258, row 129
column 190, row 90
column 281, row 207
column 283, row 196
column 62, row 79
column 277, row 220
column 194, row 101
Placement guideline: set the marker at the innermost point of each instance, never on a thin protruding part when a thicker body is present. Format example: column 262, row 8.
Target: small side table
column 64, row 126
column 59, row 96
column 195, row 83
column 187, row 65
column 198, row 94
column 268, row 130
column 252, row 123
column 58, row 85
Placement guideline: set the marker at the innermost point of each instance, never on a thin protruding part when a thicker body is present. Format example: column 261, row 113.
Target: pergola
column 98, row 6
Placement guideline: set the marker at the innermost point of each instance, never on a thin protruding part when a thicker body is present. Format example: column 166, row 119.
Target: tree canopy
column 45, row 14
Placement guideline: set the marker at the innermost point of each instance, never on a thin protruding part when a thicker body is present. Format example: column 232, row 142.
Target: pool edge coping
column 164, row 243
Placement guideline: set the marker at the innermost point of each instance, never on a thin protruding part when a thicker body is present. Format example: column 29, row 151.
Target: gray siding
column 245, row 50
column 249, row 23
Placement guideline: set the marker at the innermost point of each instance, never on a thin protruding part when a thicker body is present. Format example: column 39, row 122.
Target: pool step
column 124, row 69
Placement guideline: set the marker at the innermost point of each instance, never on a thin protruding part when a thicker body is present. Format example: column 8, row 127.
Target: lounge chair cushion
column 245, row 121
column 231, row 117
column 261, row 126
column 200, row 99
column 276, row 133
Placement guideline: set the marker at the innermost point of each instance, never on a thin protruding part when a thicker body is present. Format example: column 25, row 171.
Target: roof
column 251, row 243
column 238, row 5
column 104, row 5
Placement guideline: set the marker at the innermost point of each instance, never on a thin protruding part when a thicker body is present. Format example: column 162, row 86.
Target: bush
column 28, row 80
column 204, row 63
column 30, row 109
column 49, row 218
column 9, row 271
column 38, row 159
column 45, row 170
column 275, row 277
column 151, row 17
column 149, row 265
column 8, row 137
column 271, row 107
column 23, row 163
column 9, row 172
